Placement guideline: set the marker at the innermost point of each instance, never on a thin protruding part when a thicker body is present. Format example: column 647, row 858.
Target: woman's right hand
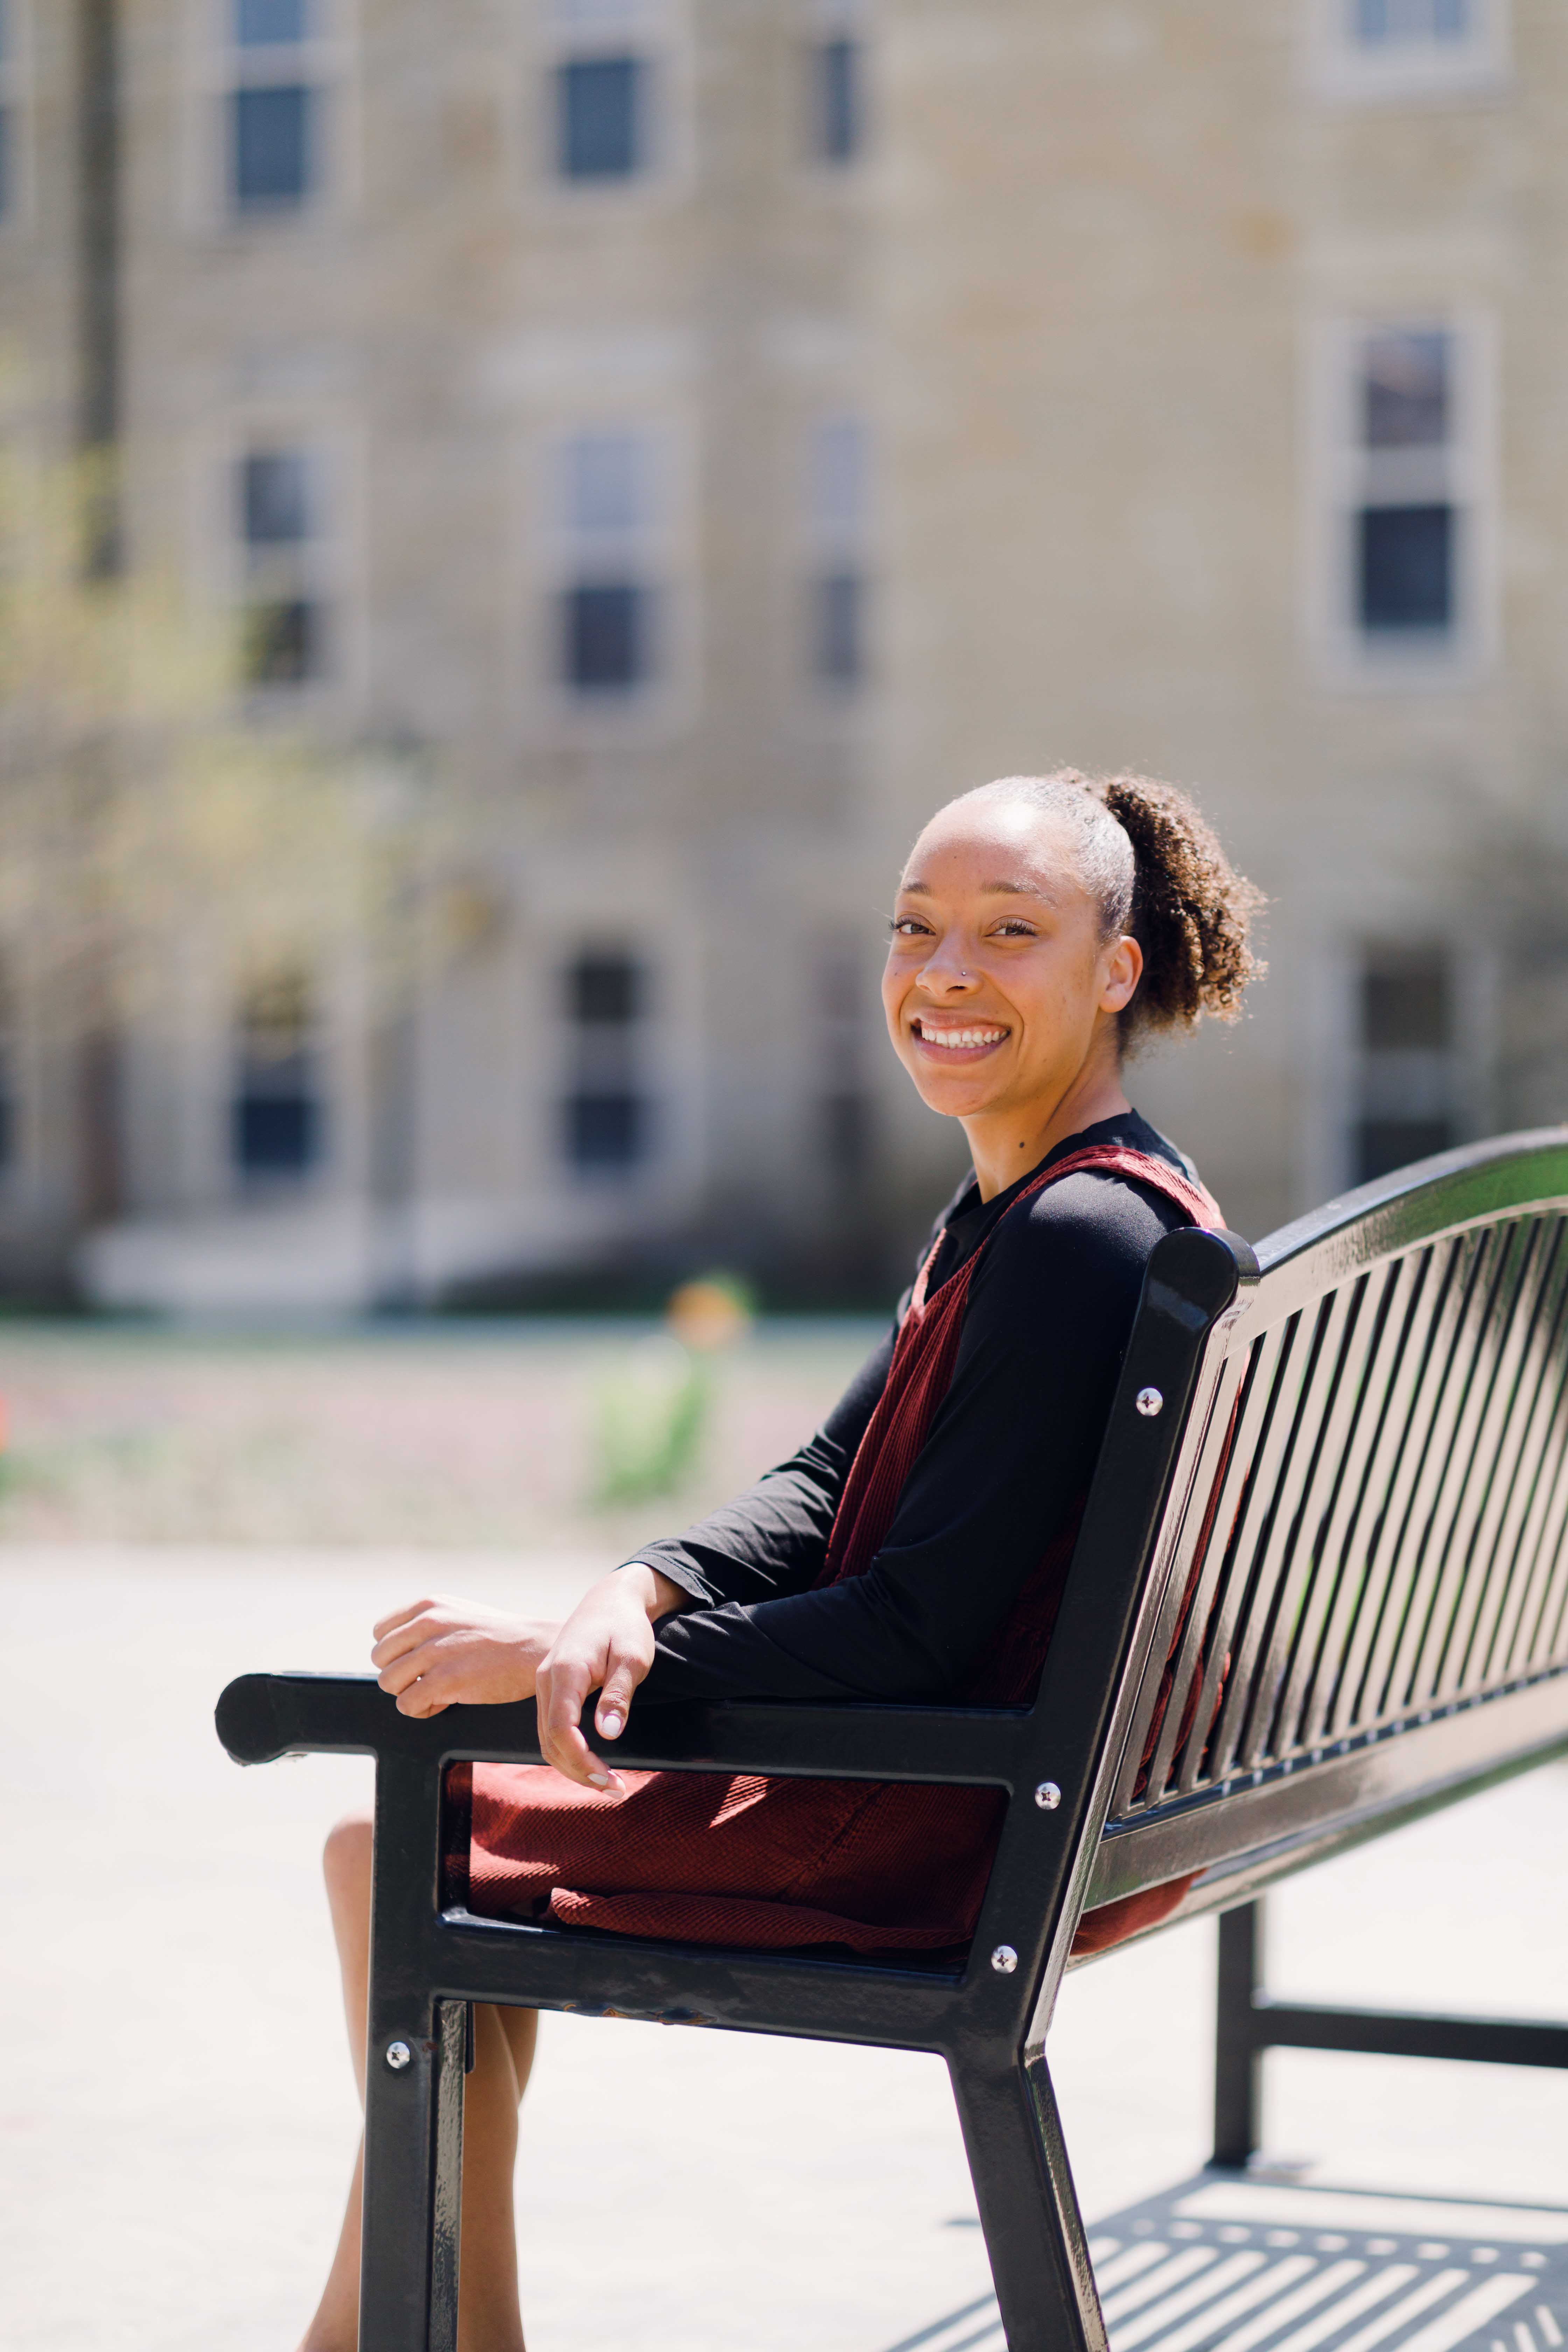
column 441, row 1653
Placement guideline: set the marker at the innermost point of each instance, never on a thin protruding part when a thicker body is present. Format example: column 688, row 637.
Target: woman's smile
column 950, row 1040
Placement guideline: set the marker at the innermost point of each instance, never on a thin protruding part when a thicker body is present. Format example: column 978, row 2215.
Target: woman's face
column 998, row 985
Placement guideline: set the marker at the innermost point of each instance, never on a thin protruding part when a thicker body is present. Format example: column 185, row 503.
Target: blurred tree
column 144, row 805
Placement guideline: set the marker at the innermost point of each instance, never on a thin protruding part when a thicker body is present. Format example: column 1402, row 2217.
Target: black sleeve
column 772, row 1539
column 1010, row 1450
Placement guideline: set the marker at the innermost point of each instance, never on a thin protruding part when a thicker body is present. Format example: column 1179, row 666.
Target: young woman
column 916, row 1547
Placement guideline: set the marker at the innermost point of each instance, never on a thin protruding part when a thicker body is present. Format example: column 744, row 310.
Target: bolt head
column 398, row 2055
column 1047, row 1796
column 1150, row 1401
column 1004, row 1960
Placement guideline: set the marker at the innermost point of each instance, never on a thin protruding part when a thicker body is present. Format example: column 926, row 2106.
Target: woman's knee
column 345, row 1859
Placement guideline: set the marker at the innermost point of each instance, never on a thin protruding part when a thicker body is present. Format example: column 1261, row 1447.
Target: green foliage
column 650, row 1416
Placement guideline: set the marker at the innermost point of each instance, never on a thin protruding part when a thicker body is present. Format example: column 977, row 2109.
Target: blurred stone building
column 689, row 439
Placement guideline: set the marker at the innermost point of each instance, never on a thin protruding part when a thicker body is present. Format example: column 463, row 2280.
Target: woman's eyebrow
column 998, row 890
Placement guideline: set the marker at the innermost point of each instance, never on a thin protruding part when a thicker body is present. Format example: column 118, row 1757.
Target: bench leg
column 413, row 2189
column 1028, row 2208
column 1238, row 2058
column 414, row 2058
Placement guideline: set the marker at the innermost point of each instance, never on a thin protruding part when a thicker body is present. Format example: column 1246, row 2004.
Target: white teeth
column 958, row 1039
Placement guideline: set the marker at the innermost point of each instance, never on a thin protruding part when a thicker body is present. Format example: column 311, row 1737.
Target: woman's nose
column 946, row 972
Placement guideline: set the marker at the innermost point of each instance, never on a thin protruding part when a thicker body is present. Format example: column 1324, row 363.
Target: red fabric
column 743, row 1859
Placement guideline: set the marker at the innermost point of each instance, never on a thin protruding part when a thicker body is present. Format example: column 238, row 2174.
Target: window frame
column 825, row 41
column 325, row 64
column 1345, row 478
column 283, row 1180
column 631, row 897
column 642, row 99
column 836, row 547
column 657, row 33
column 608, row 1062
column 1340, row 67
column 1331, row 973
column 328, row 568
column 658, row 554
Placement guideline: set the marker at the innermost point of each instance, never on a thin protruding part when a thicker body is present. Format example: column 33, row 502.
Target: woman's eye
column 910, row 927
column 1015, row 930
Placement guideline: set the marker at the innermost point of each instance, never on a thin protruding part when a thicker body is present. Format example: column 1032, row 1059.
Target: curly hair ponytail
column 1158, row 872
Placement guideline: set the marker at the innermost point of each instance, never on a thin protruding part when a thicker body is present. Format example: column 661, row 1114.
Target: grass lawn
column 443, row 1434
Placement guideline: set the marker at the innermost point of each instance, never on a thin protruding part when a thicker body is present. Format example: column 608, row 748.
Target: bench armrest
column 262, row 1717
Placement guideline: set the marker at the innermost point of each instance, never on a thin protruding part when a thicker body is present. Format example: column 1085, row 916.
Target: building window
column 842, row 991
column 602, row 117
column 610, row 70
column 607, row 1112
column 282, row 532
column 606, row 631
column 838, row 653
column 837, row 505
column 275, row 104
column 1410, row 499
column 276, row 1114
column 1405, row 526
column 1408, row 1084
column 1408, row 49
column 607, row 518
column 1378, row 24
column 836, row 100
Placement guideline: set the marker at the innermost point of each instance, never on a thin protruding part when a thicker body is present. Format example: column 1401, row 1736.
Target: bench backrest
column 1361, row 1570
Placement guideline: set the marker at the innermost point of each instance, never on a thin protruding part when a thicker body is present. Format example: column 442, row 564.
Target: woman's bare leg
column 487, row 2319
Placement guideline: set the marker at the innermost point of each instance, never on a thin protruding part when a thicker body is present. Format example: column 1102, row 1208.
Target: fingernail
column 598, row 1780
column 610, row 1722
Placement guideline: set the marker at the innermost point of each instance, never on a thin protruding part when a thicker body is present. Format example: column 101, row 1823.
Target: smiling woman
column 917, row 1546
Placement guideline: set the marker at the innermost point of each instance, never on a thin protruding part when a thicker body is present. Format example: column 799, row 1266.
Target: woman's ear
column 1123, row 970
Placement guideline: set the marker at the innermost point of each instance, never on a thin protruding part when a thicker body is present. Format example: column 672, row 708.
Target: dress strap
column 925, row 1350
column 1118, row 1160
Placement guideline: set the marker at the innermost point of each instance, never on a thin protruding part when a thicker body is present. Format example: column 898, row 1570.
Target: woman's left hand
column 441, row 1653
column 606, row 1645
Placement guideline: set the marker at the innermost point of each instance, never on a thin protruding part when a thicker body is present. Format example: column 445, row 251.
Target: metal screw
column 1047, row 1796
column 398, row 2055
column 1004, row 1960
column 1149, row 1402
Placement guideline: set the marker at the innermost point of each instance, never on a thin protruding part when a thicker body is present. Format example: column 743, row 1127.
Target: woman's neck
column 1004, row 1147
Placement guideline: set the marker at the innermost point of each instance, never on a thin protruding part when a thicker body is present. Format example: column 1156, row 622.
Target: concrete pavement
column 176, row 2116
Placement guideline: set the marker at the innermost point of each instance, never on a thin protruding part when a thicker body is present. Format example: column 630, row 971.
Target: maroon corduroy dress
column 741, row 1859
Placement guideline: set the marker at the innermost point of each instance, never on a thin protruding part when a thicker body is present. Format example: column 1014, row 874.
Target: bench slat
column 1442, row 1467
column 1445, row 1287
column 1345, row 1566
column 1295, row 1812
column 1345, row 1432
column 1471, row 1459
column 1256, row 1398
column 1494, row 1476
column 1379, row 1556
column 1540, row 1382
column 1244, row 1636
column 1420, row 1279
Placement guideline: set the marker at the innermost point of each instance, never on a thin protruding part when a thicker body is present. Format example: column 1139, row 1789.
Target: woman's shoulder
column 1109, row 1218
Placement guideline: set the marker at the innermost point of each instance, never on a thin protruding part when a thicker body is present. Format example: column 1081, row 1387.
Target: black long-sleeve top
column 1009, row 1451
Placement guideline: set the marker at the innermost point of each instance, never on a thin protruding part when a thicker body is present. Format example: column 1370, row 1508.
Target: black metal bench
column 1332, row 1499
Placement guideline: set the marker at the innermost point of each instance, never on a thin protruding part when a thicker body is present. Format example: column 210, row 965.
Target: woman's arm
column 439, row 1652
column 1009, row 1452
column 772, row 1539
